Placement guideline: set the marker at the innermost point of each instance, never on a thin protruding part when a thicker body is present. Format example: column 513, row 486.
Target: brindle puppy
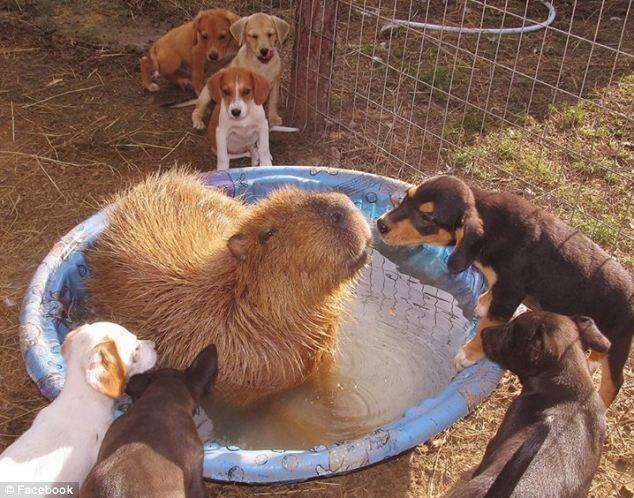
column 524, row 253
column 550, row 440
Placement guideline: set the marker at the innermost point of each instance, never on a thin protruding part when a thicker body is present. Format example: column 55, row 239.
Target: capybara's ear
column 231, row 17
column 201, row 373
column 237, row 29
column 469, row 245
column 590, row 335
column 105, row 371
column 197, row 19
column 214, row 83
column 137, row 384
column 282, row 28
column 261, row 88
column 238, row 245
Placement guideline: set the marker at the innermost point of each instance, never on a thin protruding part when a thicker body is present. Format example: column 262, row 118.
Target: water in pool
column 396, row 346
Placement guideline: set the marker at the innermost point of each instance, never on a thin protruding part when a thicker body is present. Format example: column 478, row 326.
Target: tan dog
column 238, row 126
column 207, row 37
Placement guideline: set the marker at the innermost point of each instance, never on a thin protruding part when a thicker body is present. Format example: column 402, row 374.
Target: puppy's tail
column 284, row 129
column 178, row 105
column 507, row 479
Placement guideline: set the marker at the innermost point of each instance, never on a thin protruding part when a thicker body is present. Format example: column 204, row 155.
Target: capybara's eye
column 270, row 34
column 204, row 36
column 336, row 217
column 222, row 36
column 267, row 234
column 255, row 37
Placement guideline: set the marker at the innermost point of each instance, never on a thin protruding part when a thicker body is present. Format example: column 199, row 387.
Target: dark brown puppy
column 550, row 440
column 525, row 253
column 154, row 449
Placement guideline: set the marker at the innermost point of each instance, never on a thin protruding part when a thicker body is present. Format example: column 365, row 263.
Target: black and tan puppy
column 525, row 253
column 154, row 449
column 550, row 440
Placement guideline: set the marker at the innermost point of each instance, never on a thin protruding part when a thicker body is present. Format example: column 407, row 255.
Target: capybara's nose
column 382, row 226
column 264, row 52
column 213, row 56
column 236, row 112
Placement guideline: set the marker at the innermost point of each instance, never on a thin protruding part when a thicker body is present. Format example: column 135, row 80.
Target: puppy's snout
column 213, row 55
column 264, row 52
column 236, row 112
column 382, row 226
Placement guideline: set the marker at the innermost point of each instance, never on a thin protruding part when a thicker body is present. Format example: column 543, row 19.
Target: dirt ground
column 76, row 127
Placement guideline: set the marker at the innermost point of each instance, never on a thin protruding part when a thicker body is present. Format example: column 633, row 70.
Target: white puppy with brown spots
column 64, row 440
column 238, row 126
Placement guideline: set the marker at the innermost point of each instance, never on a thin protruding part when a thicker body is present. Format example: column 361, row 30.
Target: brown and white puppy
column 154, row 449
column 206, row 38
column 550, row 441
column 524, row 253
column 63, row 442
column 258, row 36
column 238, row 125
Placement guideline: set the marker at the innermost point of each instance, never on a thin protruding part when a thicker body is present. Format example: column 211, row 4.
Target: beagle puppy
column 524, row 253
column 62, row 443
column 550, row 440
column 238, row 125
column 258, row 35
column 206, row 38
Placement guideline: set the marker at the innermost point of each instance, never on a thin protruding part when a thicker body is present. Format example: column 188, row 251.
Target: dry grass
column 64, row 146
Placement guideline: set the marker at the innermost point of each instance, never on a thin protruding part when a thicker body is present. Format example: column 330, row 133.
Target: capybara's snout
column 349, row 224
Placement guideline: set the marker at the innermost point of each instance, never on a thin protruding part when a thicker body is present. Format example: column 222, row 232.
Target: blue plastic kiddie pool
column 56, row 289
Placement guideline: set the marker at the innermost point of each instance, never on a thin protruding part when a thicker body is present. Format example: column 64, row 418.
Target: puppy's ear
column 282, row 28
column 590, row 335
column 202, row 372
column 238, row 245
column 137, row 384
column 105, row 372
column 261, row 88
column 214, row 84
column 469, row 244
column 237, row 29
column 197, row 19
column 231, row 16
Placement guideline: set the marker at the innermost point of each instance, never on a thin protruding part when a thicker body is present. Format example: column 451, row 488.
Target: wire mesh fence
column 512, row 92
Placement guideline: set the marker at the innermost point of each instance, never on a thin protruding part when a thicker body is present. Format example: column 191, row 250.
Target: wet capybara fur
column 186, row 265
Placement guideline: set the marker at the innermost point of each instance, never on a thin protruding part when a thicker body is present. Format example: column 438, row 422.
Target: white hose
column 458, row 29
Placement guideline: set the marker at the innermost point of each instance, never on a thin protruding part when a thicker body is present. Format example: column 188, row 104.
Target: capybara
column 186, row 265
column 154, row 449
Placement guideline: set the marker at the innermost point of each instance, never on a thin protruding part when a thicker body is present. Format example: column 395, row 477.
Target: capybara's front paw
column 153, row 87
column 460, row 361
column 275, row 120
column 266, row 160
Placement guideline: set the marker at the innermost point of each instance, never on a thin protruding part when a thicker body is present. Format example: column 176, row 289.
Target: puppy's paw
column 275, row 120
column 266, row 160
column 153, row 87
column 460, row 361
column 197, row 121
